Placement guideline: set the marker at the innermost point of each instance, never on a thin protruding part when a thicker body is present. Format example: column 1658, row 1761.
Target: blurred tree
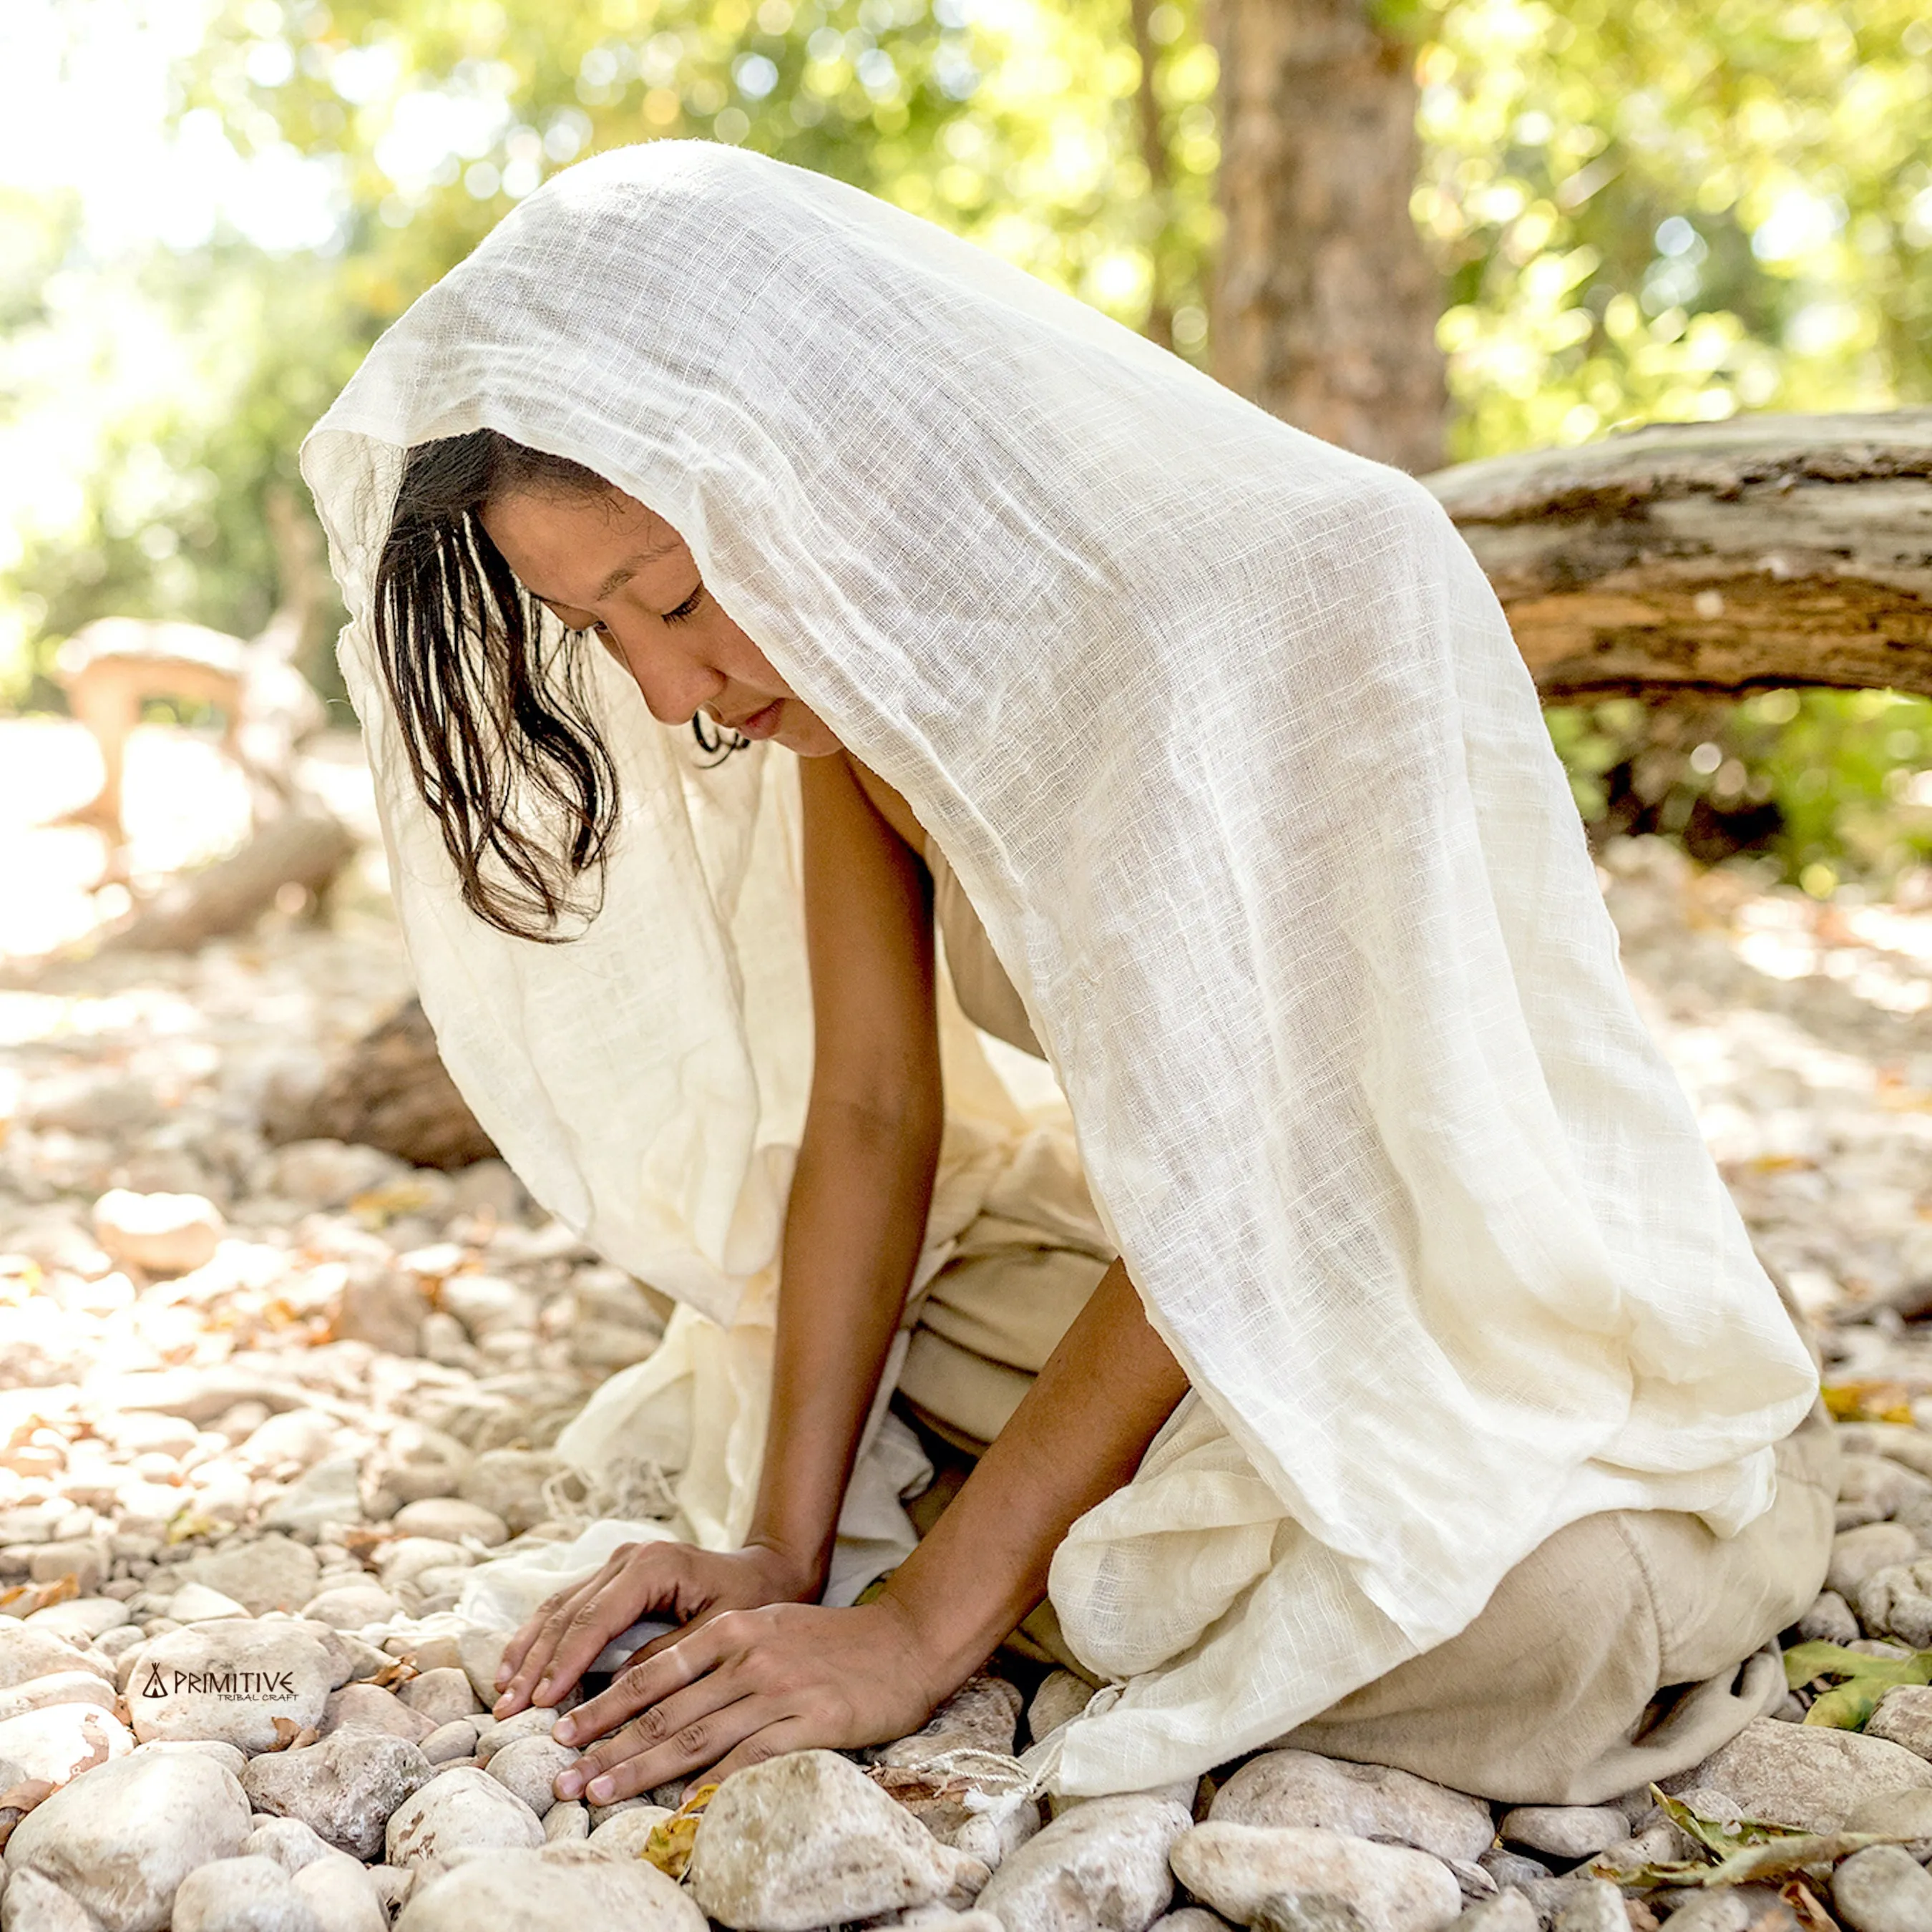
column 1326, row 302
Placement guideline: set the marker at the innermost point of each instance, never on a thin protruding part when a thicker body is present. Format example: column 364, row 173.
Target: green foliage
column 1674, row 209
column 1829, row 782
column 1857, row 1682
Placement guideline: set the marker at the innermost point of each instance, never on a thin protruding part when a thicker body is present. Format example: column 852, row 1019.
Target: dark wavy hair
column 490, row 693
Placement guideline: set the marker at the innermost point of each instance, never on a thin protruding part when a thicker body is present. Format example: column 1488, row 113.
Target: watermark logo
column 246, row 1687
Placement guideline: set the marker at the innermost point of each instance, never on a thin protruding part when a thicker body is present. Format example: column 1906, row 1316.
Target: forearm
column 853, row 1234
column 1077, row 1436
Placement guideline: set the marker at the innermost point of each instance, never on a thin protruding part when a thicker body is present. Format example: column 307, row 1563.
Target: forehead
column 564, row 545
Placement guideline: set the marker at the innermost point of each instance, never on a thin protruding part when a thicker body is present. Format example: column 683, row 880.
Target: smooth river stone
column 345, row 1789
column 808, row 1840
column 121, row 1839
column 1237, row 1868
column 459, row 1809
column 230, row 1681
column 561, row 1889
column 1303, row 1790
column 1101, row 1866
column 241, row 1894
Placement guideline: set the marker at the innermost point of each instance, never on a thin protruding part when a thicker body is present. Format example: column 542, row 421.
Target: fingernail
column 502, row 1677
column 564, row 1731
column 602, row 1790
column 569, row 1783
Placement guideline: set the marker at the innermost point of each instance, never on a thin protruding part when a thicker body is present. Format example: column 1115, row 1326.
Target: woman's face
column 606, row 564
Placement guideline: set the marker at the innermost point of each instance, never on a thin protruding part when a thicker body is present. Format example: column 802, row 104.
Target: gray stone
column 329, row 1492
column 458, row 1808
column 625, row 1835
column 1896, row 1814
column 449, row 1520
column 1721, row 1909
column 1571, row 1831
column 1857, row 1554
column 159, row 1234
column 230, row 1682
column 241, row 1894
column 535, row 1720
column 64, row 1686
column 1883, row 1889
column 1237, row 1868
column 290, row 1842
column 450, row 1741
column 529, row 1767
column 27, row 1653
column 352, row 1607
column 807, row 1840
column 981, row 1715
column 442, row 1696
column 122, row 1839
column 1511, row 1867
column 1190, row 1918
column 1896, row 1602
column 1509, row 1911
column 1904, row 1717
column 344, row 1789
column 1307, row 1912
column 509, row 1484
column 480, row 1651
column 567, row 1822
column 273, row 1573
column 368, row 1707
column 1594, row 1906
column 561, row 1889
column 1299, row 1789
column 62, row 1740
column 1060, row 1698
column 1829, row 1620
column 342, row 1895
column 1807, row 1775
column 33, row 1904
column 1101, row 1867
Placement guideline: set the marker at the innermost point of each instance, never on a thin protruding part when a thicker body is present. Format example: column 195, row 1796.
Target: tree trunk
column 1325, row 308
column 1730, row 556
column 390, row 1090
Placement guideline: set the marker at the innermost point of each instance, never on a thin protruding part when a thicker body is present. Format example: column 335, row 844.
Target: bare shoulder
column 888, row 804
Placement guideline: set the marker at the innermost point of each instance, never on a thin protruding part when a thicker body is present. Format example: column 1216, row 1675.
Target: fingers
column 771, row 1740
column 526, row 1653
column 633, row 1690
column 574, row 1626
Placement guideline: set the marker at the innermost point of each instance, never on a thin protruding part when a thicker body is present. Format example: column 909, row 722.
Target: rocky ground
column 262, row 1407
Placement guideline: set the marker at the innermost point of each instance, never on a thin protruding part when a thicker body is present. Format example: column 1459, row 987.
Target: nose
column 672, row 686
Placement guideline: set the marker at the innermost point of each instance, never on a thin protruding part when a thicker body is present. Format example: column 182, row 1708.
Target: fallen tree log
column 300, row 851
column 1714, row 557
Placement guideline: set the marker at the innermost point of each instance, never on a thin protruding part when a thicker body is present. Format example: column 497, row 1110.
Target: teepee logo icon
column 153, row 1688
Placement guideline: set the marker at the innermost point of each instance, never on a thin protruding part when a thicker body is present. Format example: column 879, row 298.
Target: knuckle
column 695, row 1738
column 756, row 1750
column 650, row 1726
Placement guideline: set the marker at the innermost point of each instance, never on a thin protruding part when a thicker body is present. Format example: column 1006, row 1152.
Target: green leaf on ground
column 1857, row 1682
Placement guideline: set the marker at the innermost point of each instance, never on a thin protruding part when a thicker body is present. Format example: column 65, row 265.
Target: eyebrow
column 618, row 577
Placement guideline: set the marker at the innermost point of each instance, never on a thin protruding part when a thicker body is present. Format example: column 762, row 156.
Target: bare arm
column 864, row 1179
column 853, row 1227
column 752, row 1684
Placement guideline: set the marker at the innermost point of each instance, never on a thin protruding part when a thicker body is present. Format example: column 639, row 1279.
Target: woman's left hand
column 749, row 1685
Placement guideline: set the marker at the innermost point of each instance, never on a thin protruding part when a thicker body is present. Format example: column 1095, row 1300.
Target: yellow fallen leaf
column 670, row 1845
column 1870, row 1401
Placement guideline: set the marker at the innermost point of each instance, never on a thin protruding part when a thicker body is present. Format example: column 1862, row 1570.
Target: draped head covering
column 1223, row 732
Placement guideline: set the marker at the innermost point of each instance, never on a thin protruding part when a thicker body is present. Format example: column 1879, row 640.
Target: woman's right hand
column 676, row 1581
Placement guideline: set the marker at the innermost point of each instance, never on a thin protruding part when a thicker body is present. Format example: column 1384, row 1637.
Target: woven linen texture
column 1223, row 732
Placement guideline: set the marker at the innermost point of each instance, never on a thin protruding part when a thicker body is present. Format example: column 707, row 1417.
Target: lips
column 762, row 723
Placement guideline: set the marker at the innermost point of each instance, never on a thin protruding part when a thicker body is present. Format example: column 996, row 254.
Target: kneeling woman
column 1432, row 1410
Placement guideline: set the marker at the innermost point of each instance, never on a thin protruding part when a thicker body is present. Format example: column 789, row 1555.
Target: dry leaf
column 670, row 1845
column 1804, row 1907
column 1868, row 1401
column 26, row 1794
column 398, row 1670
column 1857, row 1682
column 290, row 1735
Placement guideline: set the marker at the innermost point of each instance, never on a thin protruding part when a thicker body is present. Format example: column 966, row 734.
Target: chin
column 809, row 738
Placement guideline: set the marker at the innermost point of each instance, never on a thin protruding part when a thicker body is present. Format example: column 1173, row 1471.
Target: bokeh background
column 1637, row 210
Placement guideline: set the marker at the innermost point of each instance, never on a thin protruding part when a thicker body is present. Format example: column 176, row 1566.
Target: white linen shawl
column 1225, row 735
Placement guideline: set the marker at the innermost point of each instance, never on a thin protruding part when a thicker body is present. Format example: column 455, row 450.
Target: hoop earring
column 722, row 743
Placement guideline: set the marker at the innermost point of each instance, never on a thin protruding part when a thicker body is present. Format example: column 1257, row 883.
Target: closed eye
column 688, row 608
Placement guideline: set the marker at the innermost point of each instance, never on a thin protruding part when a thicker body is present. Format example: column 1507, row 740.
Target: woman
column 1427, row 1298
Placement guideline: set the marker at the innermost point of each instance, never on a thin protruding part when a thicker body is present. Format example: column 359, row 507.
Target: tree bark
column 1326, row 304
column 390, row 1090
column 1764, row 551
column 302, row 850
